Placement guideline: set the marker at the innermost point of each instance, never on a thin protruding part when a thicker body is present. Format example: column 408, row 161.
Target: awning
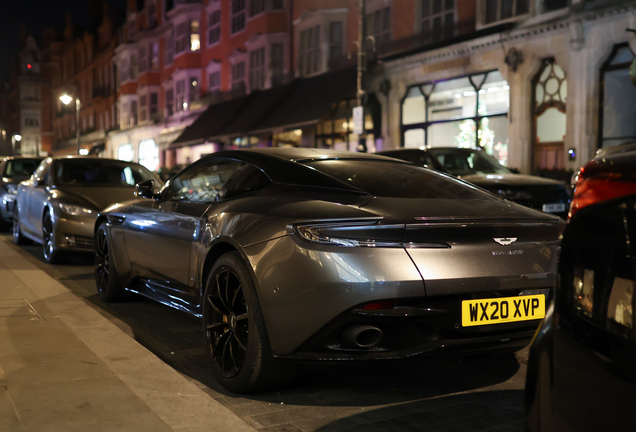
column 311, row 99
column 211, row 121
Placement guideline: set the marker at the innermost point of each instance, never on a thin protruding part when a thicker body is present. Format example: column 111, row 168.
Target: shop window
column 125, row 152
column 149, row 154
column 437, row 20
column 214, row 27
column 335, row 129
column 257, row 69
column 550, row 97
column 468, row 111
column 143, row 61
column 256, row 7
column 214, row 81
column 169, row 102
column 238, row 16
column 238, row 76
column 309, row 52
column 154, row 56
column 169, row 49
column 379, row 26
column 498, row 10
column 195, row 37
column 617, row 107
column 277, row 64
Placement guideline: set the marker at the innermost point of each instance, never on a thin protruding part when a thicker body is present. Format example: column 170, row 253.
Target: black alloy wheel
column 227, row 324
column 235, row 333
column 18, row 238
column 51, row 254
column 108, row 286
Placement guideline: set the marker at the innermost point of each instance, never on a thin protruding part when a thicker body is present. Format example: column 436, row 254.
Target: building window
column 143, row 61
column 149, row 154
column 154, row 104
column 193, row 92
column 438, row 19
column 133, row 113
column 133, row 66
column 195, row 37
column 154, row 56
column 214, row 81
column 498, row 10
column 379, row 26
column 152, row 14
column 214, row 27
column 467, row 112
column 256, row 7
column 182, row 104
column 335, row 40
column 238, row 76
column 132, row 27
column 182, row 38
column 277, row 64
column 549, row 104
column 277, row 4
column 309, row 52
column 617, row 94
column 142, row 108
column 169, row 102
column 238, row 16
column 552, row 5
column 257, row 69
column 169, row 49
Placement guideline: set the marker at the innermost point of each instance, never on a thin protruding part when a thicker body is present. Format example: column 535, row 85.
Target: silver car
column 13, row 170
column 58, row 205
column 312, row 255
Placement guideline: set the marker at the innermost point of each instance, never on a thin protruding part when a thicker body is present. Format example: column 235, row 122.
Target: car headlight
column 11, row 188
column 75, row 210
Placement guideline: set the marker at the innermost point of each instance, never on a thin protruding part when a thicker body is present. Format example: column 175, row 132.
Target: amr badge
column 506, row 241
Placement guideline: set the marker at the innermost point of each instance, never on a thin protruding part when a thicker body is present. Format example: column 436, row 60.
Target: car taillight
column 595, row 185
column 386, row 304
column 352, row 234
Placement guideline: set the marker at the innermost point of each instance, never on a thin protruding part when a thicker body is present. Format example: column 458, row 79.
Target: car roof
column 297, row 154
column 429, row 148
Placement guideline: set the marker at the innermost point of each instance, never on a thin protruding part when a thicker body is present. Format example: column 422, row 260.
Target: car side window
column 246, row 178
column 202, row 182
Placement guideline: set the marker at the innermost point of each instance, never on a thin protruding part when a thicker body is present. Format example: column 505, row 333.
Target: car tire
column 235, row 333
column 52, row 255
column 18, row 237
column 109, row 287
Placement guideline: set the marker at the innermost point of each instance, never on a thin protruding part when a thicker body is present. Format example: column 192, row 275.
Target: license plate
column 554, row 208
column 502, row 310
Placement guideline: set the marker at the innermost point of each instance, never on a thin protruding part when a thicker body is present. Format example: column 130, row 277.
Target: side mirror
column 145, row 189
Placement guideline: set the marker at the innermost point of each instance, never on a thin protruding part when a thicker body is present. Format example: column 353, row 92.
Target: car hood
column 95, row 197
column 490, row 181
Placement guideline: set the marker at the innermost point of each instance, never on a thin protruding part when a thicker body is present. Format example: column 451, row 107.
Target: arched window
column 617, row 116
column 549, row 126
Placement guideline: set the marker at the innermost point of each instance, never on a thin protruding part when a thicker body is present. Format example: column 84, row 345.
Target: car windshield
column 21, row 167
column 396, row 180
column 461, row 162
column 99, row 172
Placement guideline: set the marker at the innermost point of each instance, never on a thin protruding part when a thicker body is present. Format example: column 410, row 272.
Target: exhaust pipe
column 362, row 336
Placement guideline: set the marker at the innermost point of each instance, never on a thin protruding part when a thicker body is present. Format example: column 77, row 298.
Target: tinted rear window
column 397, row 180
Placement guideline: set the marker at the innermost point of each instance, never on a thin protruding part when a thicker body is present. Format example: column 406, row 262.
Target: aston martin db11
column 308, row 254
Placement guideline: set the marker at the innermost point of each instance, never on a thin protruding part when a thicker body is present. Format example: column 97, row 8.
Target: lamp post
column 66, row 100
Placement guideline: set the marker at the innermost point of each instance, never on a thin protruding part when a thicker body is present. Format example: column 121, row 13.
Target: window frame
column 257, row 71
column 214, row 27
column 235, row 17
column 430, row 36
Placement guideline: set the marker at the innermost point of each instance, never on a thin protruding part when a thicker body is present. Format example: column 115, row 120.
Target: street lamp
column 15, row 138
column 66, row 100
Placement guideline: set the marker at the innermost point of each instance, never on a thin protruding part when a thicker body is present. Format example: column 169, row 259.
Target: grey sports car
column 308, row 254
column 58, row 205
column 13, row 170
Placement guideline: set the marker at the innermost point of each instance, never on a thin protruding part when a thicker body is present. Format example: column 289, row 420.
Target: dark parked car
column 307, row 254
column 582, row 364
column 477, row 167
column 57, row 207
column 14, row 169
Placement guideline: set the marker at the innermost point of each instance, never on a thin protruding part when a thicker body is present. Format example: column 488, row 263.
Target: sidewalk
column 65, row 367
